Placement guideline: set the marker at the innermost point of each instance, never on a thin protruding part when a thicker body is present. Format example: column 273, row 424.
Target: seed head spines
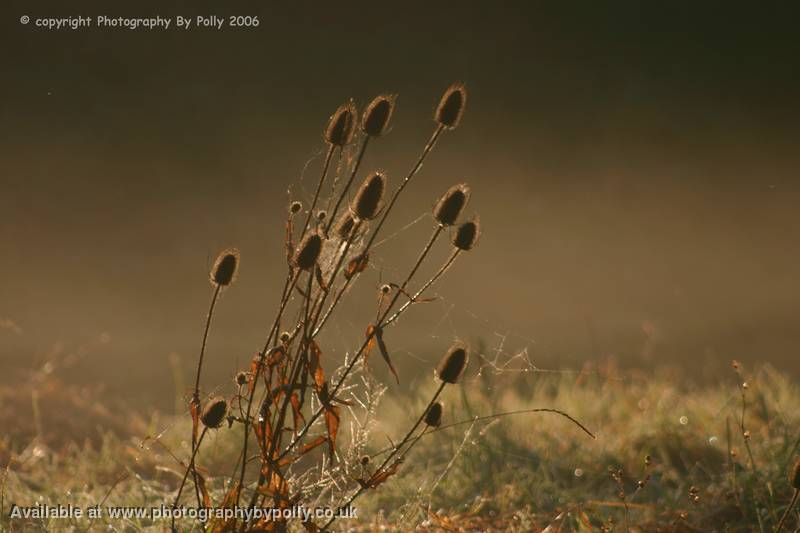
column 451, row 106
column 367, row 203
column 340, row 128
column 214, row 412
column 378, row 115
column 450, row 205
column 225, row 267
column 467, row 234
column 307, row 253
column 453, row 363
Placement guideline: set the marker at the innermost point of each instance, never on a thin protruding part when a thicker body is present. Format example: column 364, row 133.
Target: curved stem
column 788, row 511
column 196, row 394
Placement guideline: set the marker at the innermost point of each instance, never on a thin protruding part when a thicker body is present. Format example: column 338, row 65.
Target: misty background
column 634, row 166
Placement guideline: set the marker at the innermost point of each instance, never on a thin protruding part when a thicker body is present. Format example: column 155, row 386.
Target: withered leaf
column 356, row 265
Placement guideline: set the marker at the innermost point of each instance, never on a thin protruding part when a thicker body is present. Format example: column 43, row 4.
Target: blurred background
column 634, row 166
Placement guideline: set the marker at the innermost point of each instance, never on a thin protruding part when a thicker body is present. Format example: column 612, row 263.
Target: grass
column 521, row 472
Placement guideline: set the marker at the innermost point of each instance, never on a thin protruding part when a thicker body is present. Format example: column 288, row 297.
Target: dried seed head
column 378, row 114
column 285, row 337
column 794, row 475
column 345, row 226
column 367, row 202
column 386, row 289
column 295, row 207
column 224, row 271
column 434, row 415
column 451, row 106
column 340, row 126
column 241, row 378
column 307, row 253
column 321, row 215
column 214, row 412
column 453, row 363
column 450, row 205
column 365, row 460
column 467, row 234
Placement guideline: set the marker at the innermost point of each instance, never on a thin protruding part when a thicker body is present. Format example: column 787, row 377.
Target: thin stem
column 196, row 394
column 189, row 468
column 787, row 511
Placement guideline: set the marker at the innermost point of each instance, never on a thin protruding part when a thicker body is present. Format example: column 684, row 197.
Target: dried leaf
column 370, row 334
column 356, row 265
column 315, row 366
column 380, row 477
column 201, row 484
column 297, row 415
column 385, row 352
column 304, row 450
column 194, row 407
column 320, row 281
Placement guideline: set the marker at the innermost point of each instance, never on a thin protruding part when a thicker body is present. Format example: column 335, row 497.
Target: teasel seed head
column 378, row 114
column 344, row 227
column 453, row 363
column 321, row 215
column 451, row 106
column 295, row 207
column 285, row 336
column 225, row 267
column 386, row 288
column 214, row 412
column 307, row 253
column 365, row 460
column 241, row 378
column 467, row 234
column 367, row 202
column 433, row 417
column 340, row 128
column 450, row 205
column 794, row 475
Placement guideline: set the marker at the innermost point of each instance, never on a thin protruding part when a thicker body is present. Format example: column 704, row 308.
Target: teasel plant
column 288, row 406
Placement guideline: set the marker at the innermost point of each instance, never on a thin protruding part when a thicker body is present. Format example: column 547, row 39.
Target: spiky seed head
column 307, row 253
column 378, row 114
column 386, row 289
column 365, row 460
column 295, row 207
column 241, row 378
column 453, row 363
column 344, row 226
column 340, row 128
column 794, row 475
column 451, row 106
column 285, row 336
column 433, row 417
column 450, row 205
column 321, row 215
column 225, row 267
column 467, row 234
column 214, row 412
column 367, row 202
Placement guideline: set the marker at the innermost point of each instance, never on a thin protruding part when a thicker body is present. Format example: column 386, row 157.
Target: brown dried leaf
column 201, row 484
column 303, row 450
column 380, row 477
column 370, row 334
column 385, row 352
column 356, row 265
column 320, row 281
column 194, row 407
column 315, row 366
